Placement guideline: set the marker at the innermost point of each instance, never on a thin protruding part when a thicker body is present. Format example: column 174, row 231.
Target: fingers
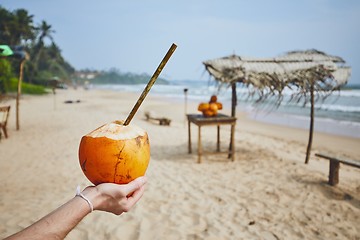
column 135, row 185
column 133, row 199
column 118, row 198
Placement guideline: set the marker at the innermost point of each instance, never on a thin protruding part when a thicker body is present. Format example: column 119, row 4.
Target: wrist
column 93, row 195
column 79, row 194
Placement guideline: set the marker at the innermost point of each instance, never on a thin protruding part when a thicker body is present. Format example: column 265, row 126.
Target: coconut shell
column 114, row 153
column 203, row 106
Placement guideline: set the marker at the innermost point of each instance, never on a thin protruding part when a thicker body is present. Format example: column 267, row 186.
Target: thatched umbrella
column 308, row 72
column 18, row 52
column 5, row 51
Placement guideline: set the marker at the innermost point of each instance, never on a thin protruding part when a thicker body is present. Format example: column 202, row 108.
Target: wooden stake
column 19, row 94
column 150, row 83
column 185, row 109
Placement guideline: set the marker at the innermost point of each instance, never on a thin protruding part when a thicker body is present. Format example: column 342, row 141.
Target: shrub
column 27, row 88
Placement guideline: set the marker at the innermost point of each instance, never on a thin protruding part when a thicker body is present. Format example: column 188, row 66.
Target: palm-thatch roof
column 297, row 68
column 307, row 72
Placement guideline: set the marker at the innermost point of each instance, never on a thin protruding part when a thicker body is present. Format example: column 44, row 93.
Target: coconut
column 203, row 107
column 114, row 153
column 213, row 107
column 213, row 99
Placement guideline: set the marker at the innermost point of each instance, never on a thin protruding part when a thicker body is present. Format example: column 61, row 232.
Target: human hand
column 116, row 198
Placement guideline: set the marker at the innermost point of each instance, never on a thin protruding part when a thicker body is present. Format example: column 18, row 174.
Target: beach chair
column 4, row 111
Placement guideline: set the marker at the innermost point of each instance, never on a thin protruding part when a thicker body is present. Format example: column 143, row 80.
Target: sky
column 133, row 36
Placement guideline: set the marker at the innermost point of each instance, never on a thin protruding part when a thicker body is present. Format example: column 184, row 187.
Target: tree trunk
column 308, row 150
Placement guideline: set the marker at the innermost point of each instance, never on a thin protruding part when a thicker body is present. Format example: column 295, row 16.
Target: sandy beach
column 266, row 193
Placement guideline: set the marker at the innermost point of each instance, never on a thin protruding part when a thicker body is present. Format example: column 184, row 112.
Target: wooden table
column 220, row 119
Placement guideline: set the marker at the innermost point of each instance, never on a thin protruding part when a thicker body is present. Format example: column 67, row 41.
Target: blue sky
column 133, row 36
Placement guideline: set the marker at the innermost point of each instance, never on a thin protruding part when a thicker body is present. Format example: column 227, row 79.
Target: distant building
column 86, row 74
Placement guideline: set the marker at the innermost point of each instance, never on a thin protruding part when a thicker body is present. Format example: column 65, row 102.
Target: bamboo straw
column 150, row 83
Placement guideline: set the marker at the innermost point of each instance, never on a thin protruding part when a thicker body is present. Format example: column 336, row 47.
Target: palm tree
column 24, row 27
column 43, row 31
column 5, row 26
column 16, row 27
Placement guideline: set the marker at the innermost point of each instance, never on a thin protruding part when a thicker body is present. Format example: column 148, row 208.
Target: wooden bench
column 335, row 166
column 5, row 110
column 162, row 121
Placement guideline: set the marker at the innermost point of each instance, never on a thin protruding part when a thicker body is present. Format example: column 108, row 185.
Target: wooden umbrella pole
column 18, row 94
column 311, row 131
column 233, row 114
column 150, row 83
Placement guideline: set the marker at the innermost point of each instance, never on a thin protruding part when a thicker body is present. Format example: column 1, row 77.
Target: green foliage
column 26, row 88
column 5, row 75
column 114, row 76
column 16, row 26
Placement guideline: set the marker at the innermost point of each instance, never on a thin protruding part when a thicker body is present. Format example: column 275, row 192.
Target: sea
column 338, row 113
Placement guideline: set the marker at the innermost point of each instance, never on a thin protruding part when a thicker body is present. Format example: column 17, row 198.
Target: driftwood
column 162, row 121
column 72, row 101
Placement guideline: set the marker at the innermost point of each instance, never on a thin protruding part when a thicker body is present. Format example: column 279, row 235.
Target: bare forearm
column 107, row 197
column 57, row 224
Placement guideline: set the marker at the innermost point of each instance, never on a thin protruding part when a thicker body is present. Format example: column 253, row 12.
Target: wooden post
column 334, row 172
column 199, row 145
column 233, row 113
column 185, row 107
column 19, row 93
column 232, row 142
column 218, row 139
column 233, row 99
column 189, row 133
column 308, row 150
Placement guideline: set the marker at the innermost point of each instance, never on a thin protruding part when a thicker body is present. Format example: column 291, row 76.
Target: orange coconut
column 210, row 113
column 219, row 105
column 213, row 99
column 114, row 153
column 213, row 107
column 203, row 106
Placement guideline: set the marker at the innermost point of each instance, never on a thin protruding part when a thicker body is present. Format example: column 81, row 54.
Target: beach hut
column 307, row 73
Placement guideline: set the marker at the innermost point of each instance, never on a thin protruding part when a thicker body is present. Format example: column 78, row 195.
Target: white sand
column 266, row 193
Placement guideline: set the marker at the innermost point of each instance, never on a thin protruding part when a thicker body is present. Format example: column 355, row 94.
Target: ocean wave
column 339, row 108
column 345, row 104
column 350, row 93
